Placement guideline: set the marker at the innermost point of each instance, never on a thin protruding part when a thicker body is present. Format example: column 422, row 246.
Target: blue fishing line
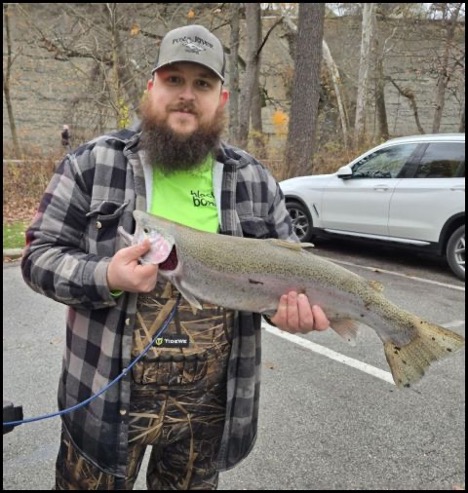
column 124, row 372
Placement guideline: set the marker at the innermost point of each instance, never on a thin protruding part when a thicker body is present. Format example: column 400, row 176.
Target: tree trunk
column 444, row 70
column 252, row 69
column 336, row 79
column 380, row 107
column 306, row 90
column 365, row 68
column 6, row 83
column 234, row 75
column 331, row 67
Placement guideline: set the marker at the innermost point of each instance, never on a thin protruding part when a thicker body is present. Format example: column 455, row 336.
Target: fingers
column 125, row 273
column 133, row 252
column 321, row 321
column 295, row 314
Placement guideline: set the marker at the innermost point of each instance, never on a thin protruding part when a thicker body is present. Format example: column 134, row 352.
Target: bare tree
column 336, row 80
column 252, row 71
column 306, row 90
column 7, row 81
column 450, row 12
column 365, row 71
column 234, row 9
column 330, row 65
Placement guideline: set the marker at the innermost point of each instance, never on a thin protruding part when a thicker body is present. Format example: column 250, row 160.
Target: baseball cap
column 192, row 43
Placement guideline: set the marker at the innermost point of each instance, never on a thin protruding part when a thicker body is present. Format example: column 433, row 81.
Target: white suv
column 409, row 190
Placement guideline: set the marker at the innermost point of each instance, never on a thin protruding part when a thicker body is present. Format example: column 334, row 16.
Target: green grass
column 13, row 234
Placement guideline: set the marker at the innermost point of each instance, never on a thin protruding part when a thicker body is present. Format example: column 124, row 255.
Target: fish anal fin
column 431, row 343
column 345, row 328
column 378, row 286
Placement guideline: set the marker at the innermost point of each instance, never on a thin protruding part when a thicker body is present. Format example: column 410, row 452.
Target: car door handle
column 460, row 188
column 381, row 188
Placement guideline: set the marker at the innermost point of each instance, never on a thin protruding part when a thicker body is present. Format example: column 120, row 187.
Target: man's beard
column 170, row 151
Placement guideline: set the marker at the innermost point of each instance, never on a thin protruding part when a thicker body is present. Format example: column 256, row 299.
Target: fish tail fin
column 431, row 343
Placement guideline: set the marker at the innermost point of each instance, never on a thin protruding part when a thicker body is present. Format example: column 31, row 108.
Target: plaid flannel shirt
column 69, row 246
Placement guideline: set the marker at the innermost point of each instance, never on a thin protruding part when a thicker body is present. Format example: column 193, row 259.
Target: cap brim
column 188, row 61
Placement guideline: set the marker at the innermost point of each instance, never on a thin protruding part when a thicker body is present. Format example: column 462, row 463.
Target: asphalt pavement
column 324, row 425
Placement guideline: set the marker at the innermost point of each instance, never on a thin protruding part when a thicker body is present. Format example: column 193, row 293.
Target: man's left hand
column 295, row 314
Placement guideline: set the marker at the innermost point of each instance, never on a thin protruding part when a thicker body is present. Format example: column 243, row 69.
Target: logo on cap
column 192, row 47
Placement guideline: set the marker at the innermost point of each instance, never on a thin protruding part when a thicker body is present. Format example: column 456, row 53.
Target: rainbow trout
column 251, row 275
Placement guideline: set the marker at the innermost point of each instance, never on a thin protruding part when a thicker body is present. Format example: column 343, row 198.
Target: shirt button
column 123, row 412
column 98, row 224
column 127, row 321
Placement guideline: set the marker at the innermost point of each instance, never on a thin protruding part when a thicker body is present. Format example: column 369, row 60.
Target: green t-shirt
column 186, row 197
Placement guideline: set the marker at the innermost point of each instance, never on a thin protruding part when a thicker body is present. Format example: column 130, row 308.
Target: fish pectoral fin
column 292, row 245
column 345, row 328
column 194, row 303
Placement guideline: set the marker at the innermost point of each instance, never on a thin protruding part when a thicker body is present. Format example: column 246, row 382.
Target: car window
column 384, row 163
column 442, row 160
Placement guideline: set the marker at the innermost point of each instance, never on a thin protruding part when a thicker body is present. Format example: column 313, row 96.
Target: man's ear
column 224, row 97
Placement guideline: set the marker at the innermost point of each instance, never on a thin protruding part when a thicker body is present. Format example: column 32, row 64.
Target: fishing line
column 104, row 389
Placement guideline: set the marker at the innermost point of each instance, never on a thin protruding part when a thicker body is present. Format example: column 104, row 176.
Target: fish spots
column 449, row 349
column 253, row 281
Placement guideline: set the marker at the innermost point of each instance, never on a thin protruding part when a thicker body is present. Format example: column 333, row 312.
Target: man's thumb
column 134, row 252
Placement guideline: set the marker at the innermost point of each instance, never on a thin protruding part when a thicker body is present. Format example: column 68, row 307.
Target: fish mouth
column 171, row 262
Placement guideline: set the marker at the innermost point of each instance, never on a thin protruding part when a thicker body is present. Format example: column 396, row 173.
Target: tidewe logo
column 178, row 340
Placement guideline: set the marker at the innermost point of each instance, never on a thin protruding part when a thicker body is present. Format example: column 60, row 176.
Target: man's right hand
column 125, row 273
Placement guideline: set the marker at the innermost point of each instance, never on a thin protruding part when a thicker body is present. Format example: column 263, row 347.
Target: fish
column 248, row 274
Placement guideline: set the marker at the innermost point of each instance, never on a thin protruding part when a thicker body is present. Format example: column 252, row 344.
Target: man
column 194, row 396
column 65, row 136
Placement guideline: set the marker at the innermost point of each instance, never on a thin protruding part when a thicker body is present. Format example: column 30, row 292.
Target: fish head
column 162, row 242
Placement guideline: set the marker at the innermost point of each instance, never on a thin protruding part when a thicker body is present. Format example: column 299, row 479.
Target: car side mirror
column 345, row 172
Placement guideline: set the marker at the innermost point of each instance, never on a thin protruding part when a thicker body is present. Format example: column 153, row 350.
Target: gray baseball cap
column 192, row 43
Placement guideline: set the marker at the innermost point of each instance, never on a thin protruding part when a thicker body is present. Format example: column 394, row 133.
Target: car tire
column 302, row 222
column 455, row 252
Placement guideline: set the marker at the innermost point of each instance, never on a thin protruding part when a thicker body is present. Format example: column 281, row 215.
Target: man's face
column 185, row 96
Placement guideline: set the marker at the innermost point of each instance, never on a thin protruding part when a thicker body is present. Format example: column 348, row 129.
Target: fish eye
column 146, row 230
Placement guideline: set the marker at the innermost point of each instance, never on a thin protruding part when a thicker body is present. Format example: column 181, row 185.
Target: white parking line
column 341, row 358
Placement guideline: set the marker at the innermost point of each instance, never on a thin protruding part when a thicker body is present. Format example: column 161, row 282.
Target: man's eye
column 203, row 84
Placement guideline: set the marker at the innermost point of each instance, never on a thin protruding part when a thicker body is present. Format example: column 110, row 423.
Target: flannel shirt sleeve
column 55, row 262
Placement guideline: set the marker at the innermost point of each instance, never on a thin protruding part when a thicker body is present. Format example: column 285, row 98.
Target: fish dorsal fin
column 292, row 245
column 379, row 287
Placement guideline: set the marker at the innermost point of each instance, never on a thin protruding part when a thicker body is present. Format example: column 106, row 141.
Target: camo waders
column 177, row 404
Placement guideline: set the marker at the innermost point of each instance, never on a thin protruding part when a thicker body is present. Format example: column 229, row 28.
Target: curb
column 12, row 253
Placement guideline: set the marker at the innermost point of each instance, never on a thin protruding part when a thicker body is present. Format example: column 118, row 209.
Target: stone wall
column 47, row 92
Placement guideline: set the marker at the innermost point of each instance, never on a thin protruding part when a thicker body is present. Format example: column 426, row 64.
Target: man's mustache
column 186, row 107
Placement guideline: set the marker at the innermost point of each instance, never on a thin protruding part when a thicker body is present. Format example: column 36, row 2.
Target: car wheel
column 302, row 222
column 456, row 252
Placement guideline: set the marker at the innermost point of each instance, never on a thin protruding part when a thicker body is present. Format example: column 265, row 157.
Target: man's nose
column 187, row 92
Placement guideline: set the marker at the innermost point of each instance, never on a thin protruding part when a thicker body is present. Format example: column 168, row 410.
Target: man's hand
column 295, row 314
column 125, row 273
